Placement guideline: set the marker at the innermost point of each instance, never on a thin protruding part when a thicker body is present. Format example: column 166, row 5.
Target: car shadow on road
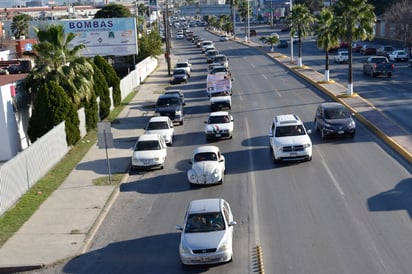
column 164, row 183
column 152, row 254
column 398, row 198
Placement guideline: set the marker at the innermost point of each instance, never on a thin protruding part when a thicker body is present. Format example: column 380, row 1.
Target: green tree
column 327, row 36
column 20, row 25
column 111, row 77
column 51, row 107
column 113, row 11
column 150, row 45
column 101, row 89
column 243, row 10
column 301, row 21
column 313, row 5
column 355, row 20
column 272, row 41
column 56, row 61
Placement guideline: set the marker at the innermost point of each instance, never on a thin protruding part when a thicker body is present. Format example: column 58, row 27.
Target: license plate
column 217, row 135
column 293, row 154
column 341, row 132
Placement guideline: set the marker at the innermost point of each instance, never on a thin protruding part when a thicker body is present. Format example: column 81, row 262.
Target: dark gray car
column 170, row 105
column 334, row 119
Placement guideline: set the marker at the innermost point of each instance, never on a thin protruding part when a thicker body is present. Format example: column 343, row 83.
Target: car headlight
column 156, row 158
column 178, row 112
column 215, row 174
column 184, row 249
column 223, row 247
column 306, row 145
column 326, row 125
column 192, row 175
column 352, row 124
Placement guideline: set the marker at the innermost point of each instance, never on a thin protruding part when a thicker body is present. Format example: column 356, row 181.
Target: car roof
column 159, row 119
column 173, row 91
column 149, row 137
column 169, row 95
column 219, row 113
column 287, row 119
column 205, row 205
column 332, row 105
column 206, row 149
column 220, row 55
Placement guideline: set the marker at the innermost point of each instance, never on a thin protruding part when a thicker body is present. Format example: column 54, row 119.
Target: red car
column 367, row 50
column 356, row 47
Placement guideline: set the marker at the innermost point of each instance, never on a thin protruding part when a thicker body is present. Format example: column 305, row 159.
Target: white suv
column 289, row 140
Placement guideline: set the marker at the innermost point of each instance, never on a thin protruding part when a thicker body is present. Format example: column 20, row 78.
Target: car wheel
column 181, row 123
column 372, row 75
column 222, row 180
column 316, row 125
column 309, row 159
column 389, row 74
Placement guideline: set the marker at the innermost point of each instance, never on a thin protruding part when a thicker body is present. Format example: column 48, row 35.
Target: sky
column 11, row 3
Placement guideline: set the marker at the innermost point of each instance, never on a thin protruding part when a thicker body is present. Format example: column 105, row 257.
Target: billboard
column 106, row 36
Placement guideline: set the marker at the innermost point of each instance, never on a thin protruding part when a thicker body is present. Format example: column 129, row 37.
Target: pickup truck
column 378, row 65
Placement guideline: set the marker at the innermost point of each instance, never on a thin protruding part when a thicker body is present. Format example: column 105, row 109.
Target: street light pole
column 248, row 23
column 291, row 34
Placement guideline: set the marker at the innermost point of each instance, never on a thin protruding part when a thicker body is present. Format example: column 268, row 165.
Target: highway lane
column 391, row 95
column 346, row 211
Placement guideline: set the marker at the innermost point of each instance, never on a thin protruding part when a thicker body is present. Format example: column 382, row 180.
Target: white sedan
column 208, row 166
column 398, row 55
column 219, row 125
column 207, row 234
column 149, row 152
column 161, row 125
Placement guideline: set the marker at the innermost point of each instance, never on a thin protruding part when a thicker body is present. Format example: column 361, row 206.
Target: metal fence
column 20, row 173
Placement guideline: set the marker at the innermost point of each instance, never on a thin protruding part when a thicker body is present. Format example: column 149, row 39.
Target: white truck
column 219, row 90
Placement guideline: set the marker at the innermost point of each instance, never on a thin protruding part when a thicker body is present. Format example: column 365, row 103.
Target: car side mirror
column 270, row 134
column 178, row 227
column 190, row 162
column 232, row 223
column 205, row 122
column 309, row 131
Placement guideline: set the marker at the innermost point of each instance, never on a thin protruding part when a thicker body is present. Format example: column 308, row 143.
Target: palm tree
column 327, row 35
column 301, row 21
column 20, row 25
column 355, row 20
column 244, row 11
column 272, row 40
column 56, row 61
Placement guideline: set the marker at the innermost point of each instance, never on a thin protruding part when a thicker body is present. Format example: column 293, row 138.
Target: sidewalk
column 66, row 222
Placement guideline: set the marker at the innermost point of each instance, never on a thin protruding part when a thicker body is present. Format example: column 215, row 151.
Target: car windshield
column 147, row 145
column 220, row 59
column 337, row 113
column 285, row 131
column 181, row 65
column 165, row 102
column 205, row 156
column 205, row 222
column 220, row 69
column 218, row 119
column 179, row 71
column 157, row 125
column 220, row 93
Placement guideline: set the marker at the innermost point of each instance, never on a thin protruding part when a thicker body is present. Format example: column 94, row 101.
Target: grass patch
column 26, row 206
column 114, row 179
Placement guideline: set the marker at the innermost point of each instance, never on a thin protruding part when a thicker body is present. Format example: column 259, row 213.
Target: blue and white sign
column 28, row 47
column 107, row 36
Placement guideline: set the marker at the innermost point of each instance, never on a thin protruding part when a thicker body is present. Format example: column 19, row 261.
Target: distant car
column 184, row 64
column 341, row 57
column 334, row 119
column 178, row 92
column 179, row 75
column 343, row 45
column 356, row 47
column 367, row 50
column 210, row 55
column 252, row 32
column 207, row 234
column 161, row 125
column 149, row 152
column 170, row 105
column 211, row 66
column 204, row 44
column 223, row 38
column 221, row 59
column 384, row 51
column 208, row 166
column 282, row 44
column 219, row 125
column 209, row 48
column 398, row 56
column 180, row 36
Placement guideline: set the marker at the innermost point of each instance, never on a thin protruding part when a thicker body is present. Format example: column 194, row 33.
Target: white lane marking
column 278, row 93
column 264, row 76
column 254, row 214
column 333, row 178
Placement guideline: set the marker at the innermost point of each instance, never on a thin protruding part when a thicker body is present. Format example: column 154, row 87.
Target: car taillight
column 393, row 66
column 374, row 66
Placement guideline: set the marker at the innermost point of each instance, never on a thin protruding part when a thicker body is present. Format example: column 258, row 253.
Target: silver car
column 207, row 233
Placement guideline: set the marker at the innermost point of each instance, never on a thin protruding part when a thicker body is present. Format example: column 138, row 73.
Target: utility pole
column 167, row 35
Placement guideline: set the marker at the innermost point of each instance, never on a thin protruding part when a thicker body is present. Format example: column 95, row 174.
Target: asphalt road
column 390, row 95
column 347, row 211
